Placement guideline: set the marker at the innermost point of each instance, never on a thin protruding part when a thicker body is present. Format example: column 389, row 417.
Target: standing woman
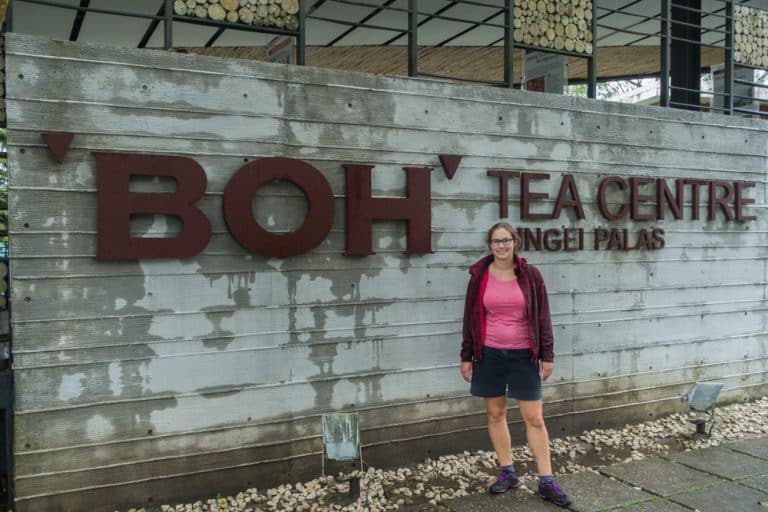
column 507, row 351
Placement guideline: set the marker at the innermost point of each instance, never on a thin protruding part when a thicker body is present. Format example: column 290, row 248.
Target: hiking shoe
column 552, row 493
column 505, row 481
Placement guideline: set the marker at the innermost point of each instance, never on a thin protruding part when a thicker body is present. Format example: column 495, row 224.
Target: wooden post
column 413, row 40
column 728, row 76
column 8, row 18
column 592, row 63
column 168, row 25
column 301, row 38
column 509, row 45
column 666, row 15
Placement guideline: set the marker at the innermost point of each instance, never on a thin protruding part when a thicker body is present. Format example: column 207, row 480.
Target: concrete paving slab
column 657, row 505
column 592, row 492
column 729, row 496
column 510, row 500
column 722, row 462
column 760, row 483
column 755, row 447
column 660, row 476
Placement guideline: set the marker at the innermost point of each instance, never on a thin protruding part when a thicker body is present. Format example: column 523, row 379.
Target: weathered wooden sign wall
column 161, row 378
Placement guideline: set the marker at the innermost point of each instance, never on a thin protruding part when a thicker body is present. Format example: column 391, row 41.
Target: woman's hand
column 466, row 370
column 545, row 370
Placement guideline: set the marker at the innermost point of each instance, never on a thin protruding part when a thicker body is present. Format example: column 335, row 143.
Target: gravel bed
column 425, row 485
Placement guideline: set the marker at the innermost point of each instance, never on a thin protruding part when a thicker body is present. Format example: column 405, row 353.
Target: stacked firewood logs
column 559, row 24
column 750, row 40
column 265, row 13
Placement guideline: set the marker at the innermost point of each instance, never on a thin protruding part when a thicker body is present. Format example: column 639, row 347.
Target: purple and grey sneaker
column 505, row 481
column 552, row 493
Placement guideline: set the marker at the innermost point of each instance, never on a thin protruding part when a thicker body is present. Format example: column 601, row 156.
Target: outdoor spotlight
column 701, row 398
column 341, row 442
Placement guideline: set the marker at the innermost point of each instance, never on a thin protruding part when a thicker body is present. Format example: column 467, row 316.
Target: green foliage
column 606, row 90
column 580, row 90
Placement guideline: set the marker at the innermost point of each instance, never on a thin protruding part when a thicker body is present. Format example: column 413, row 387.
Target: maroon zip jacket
column 535, row 293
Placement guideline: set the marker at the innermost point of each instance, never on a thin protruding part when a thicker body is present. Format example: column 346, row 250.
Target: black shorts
column 506, row 372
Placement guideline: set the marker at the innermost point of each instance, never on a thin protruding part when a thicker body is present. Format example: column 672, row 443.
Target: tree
column 608, row 90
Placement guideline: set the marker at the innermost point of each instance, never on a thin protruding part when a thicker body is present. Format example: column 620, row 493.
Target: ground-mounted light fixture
column 341, row 442
column 701, row 398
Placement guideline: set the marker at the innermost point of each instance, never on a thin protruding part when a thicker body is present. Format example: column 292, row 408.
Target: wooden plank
column 330, row 257
column 72, row 342
column 54, row 210
column 65, row 386
column 193, row 129
column 77, row 173
column 83, row 297
column 181, row 413
column 78, row 384
column 48, row 248
column 222, row 157
column 225, row 439
column 590, row 339
column 149, row 449
column 641, row 359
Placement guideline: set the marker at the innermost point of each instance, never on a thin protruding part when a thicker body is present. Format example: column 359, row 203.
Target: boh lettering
column 638, row 199
column 116, row 205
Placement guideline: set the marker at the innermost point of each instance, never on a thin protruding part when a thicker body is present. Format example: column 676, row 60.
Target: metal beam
column 168, row 24
column 666, row 31
column 509, row 45
column 214, row 37
column 728, row 77
column 314, row 7
column 152, row 27
column 301, row 36
column 366, row 18
column 658, row 34
column 592, row 63
column 9, row 16
column 413, row 38
column 469, row 29
column 630, row 4
column 78, row 23
column 421, row 23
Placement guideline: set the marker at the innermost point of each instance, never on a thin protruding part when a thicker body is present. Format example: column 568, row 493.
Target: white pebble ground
column 461, row 474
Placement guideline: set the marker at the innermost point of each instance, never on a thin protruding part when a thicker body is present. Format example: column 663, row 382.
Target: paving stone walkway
column 729, row 478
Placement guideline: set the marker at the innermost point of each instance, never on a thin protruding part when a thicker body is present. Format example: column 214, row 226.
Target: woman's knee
column 534, row 421
column 495, row 417
column 496, row 410
column 533, row 414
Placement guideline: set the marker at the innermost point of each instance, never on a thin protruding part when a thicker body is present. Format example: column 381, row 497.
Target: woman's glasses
column 496, row 242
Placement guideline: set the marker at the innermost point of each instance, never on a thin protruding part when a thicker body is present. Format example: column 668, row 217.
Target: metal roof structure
column 465, row 40
column 329, row 22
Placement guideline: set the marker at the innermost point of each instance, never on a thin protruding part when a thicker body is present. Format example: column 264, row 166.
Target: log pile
column 558, row 24
column 750, row 38
column 261, row 13
column 3, row 10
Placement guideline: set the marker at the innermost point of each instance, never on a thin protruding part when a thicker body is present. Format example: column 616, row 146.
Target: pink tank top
column 506, row 319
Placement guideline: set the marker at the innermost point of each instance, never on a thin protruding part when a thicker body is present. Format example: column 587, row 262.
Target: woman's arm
column 546, row 341
column 467, row 343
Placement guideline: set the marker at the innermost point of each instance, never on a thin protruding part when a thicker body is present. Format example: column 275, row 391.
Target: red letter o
column 238, row 198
